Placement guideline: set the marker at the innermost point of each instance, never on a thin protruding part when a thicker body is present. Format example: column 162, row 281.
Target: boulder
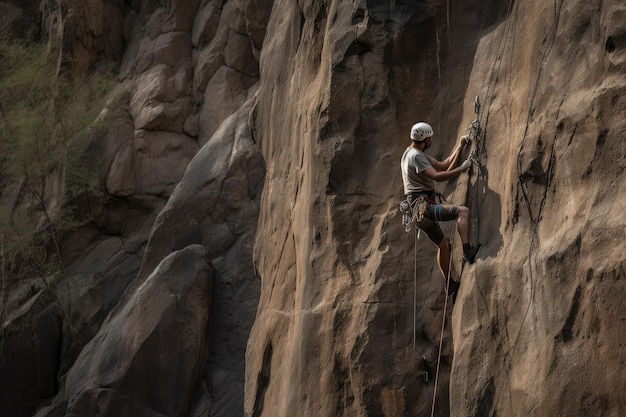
column 159, row 330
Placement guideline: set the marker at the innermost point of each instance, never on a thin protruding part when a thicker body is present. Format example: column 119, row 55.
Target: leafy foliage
column 46, row 120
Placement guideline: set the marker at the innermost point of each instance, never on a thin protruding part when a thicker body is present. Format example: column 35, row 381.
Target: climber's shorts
column 435, row 213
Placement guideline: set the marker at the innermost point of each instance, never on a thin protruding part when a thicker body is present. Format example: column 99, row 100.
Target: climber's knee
column 463, row 212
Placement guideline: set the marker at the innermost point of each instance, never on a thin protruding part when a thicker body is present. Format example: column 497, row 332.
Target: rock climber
column 419, row 171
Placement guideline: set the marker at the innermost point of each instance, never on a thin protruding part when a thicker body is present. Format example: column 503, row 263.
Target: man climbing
column 419, row 171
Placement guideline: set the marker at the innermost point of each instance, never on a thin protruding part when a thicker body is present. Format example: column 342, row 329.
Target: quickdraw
column 474, row 134
column 419, row 209
column 407, row 215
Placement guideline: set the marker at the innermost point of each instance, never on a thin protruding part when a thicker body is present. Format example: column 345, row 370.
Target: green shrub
column 45, row 123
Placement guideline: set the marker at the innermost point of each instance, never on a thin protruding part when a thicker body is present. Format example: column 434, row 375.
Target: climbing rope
column 424, row 362
column 411, row 214
column 477, row 131
column 443, row 322
column 482, row 124
column 534, row 220
column 474, row 135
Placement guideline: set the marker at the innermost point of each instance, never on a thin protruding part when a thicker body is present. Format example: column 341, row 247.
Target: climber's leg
column 443, row 258
column 469, row 251
column 462, row 224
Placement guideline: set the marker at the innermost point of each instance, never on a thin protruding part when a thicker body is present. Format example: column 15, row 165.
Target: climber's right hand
column 466, row 165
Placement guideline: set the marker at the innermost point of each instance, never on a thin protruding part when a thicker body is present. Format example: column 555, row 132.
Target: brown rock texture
column 247, row 257
column 538, row 327
column 541, row 325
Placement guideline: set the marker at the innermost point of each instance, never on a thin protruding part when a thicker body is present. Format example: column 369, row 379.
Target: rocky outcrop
column 111, row 376
column 170, row 180
column 249, row 174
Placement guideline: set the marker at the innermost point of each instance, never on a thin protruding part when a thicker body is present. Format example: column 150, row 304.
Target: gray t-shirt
column 413, row 165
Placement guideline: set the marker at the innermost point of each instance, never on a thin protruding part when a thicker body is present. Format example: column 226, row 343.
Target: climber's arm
column 451, row 161
column 439, row 176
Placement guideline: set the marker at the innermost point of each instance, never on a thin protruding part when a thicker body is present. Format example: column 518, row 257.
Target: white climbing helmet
column 421, row 131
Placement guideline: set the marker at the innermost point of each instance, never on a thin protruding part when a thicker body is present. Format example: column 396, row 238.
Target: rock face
column 539, row 311
column 247, row 256
column 541, row 322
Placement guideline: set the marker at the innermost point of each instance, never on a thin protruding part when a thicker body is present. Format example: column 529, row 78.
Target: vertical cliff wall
column 538, row 326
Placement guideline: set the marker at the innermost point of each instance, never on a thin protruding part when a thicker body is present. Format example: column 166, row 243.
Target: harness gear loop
column 419, row 206
column 414, row 212
column 407, row 215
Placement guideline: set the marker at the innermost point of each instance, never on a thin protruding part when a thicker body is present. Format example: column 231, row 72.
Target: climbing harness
column 413, row 212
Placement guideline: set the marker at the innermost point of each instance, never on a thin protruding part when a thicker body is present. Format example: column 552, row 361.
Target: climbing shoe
column 453, row 289
column 469, row 252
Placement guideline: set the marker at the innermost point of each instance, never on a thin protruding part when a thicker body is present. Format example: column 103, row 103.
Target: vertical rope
column 443, row 324
column 415, row 290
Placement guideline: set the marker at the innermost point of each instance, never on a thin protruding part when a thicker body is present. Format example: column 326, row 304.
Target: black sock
column 466, row 247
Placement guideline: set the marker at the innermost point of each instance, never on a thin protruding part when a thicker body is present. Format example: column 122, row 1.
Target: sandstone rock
column 139, row 168
column 85, row 34
column 168, row 48
column 225, row 69
column 336, row 303
column 226, row 92
column 160, row 35
column 120, row 181
column 202, row 195
column 537, row 310
column 174, row 16
column 152, row 163
column 98, row 29
column 209, row 60
column 205, row 25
